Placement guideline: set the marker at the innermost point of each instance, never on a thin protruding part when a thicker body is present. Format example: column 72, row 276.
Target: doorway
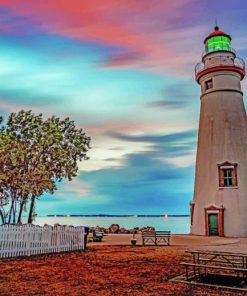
column 213, row 224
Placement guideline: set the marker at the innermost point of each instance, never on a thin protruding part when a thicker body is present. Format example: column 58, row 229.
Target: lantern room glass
column 217, row 43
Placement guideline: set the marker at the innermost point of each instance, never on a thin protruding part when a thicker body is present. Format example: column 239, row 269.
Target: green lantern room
column 217, row 41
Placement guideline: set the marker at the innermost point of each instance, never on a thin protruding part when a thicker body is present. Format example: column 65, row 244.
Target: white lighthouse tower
column 219, row 206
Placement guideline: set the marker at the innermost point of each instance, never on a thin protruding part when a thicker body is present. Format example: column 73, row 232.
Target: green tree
column 36, row 154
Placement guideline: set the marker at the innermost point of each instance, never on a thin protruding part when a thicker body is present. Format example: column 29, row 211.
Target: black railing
column 220, row 61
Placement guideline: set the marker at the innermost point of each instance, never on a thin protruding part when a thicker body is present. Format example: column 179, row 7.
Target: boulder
column 123, row 230
column 114, row 228
column 150, row 229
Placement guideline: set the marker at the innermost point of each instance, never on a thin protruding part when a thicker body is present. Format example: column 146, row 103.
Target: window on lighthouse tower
column 208, row 84
column 227, row 175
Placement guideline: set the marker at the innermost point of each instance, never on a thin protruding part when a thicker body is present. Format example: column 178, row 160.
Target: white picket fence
column 29, row 240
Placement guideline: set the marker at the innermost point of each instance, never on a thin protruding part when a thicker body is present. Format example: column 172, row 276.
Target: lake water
column 177, row 225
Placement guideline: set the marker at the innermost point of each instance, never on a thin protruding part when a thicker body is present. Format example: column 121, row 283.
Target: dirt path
column 101, row 270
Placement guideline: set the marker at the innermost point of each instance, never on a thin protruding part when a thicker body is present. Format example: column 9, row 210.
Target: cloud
column 167, row 104
column 117, row 148
column 143, row 185
column 136, row 33
column 177, row 95
column 112, row 159
column 155, row 139
column 13, row 24
column 146, row 182
column 122, row 60
column 180, row 90
column 177, row 149
column 76, row 187
column 158, row 35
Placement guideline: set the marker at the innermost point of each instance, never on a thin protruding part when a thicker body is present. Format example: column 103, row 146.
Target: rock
column 149, row 229
column 114, row 228
column 122, row 230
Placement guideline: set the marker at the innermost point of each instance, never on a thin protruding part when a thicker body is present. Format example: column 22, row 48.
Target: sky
column 123, row 70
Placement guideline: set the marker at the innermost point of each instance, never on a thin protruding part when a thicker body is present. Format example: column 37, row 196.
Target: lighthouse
column 219, row 205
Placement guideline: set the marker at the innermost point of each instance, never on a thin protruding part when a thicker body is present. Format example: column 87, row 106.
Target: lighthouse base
column 215, row 220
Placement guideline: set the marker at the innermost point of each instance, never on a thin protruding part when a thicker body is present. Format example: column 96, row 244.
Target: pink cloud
column 140, row 28
column 136, row 127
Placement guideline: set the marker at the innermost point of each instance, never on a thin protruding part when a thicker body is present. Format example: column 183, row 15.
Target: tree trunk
column 13, row 197
column 20, row 211
column 2, row 217
column 14, row 212
column 30, row 217
column 10, row 211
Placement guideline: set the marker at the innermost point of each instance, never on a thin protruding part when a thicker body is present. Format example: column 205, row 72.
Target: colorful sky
column 123, row 70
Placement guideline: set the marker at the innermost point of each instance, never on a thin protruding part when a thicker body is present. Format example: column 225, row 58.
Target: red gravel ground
column 101, row 270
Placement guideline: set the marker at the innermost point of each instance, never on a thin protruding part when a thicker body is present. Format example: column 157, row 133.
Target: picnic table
column 226, row 266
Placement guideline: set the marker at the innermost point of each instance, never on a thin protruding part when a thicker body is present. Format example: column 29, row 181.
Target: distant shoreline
column 175, row 223
column 121, row 216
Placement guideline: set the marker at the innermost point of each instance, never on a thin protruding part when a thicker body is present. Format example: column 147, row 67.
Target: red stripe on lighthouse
column 220, row 68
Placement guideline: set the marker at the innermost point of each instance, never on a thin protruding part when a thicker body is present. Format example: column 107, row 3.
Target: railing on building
column 29, row 240
column 237, row 62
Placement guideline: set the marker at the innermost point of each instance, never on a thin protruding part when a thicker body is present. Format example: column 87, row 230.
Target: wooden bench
column 156, row 238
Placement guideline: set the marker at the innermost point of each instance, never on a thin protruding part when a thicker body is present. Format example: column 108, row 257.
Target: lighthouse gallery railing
column 237, row 62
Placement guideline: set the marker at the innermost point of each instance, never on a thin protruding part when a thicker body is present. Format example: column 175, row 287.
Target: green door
column 213, row 224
